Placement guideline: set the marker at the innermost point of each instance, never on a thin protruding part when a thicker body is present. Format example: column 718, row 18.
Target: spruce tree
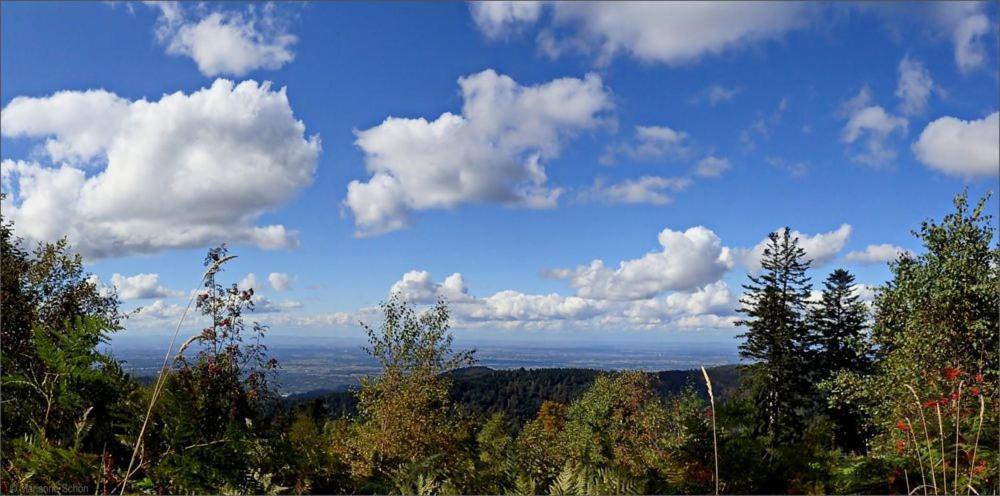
column 839, row 324
column 777, row 338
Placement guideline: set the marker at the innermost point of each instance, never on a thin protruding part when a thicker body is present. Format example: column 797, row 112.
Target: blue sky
column 587, row 131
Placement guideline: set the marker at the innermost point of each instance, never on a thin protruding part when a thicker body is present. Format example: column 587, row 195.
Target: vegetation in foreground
column 901, row 397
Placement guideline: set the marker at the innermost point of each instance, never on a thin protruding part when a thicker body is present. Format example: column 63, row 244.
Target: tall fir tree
column 777, row 338
column 838, row 324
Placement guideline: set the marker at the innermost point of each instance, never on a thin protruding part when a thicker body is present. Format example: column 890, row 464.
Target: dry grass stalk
column 958, row 416
column 927, row 437
column 715, row 441
column 944, row 468
column 920, row 459
column 975, row 447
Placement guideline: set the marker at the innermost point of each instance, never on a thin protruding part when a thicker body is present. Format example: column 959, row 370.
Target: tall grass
column 715, row 439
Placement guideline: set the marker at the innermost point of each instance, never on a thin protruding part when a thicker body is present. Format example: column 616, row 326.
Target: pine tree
column 777, row 338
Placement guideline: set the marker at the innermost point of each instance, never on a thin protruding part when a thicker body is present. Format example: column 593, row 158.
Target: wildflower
column 900, row 446
column 975, row 391
column 902, row 426
column 951, row 373
column 979, row 377
column 930, row 404
column 954, row 396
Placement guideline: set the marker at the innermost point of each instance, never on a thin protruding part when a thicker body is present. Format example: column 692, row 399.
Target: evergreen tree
column 839, row 325
column 777, row 338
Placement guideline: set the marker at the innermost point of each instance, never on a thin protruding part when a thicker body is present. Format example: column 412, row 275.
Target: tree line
column 836, row 395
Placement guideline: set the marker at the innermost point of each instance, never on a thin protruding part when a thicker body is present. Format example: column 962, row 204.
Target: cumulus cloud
column 137, row 287
column 248, row 282
column 821, row 248
column 714, row 298
column 709, row 306
column 968, row 149
column 873, row 126
column 142, row 286
column 649, row 143
column 493, row 152
column 262, row 304
column 159, row 310
column 914, row 87
column 498, row 19
column 875, row 254
column 647, row 189
column 672, row 33
column 711, row 166
column 226, row 41
column 417, row 286
column 688, row 260
column 279, row 281
column 142, row 176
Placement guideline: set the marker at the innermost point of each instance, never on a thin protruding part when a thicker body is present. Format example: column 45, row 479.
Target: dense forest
column 838, row 396
column 519, row 393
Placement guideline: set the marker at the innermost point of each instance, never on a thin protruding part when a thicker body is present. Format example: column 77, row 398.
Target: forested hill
column 519, row 393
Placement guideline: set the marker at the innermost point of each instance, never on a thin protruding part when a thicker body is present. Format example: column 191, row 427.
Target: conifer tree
column 839, row 327
column 777, row 338
column 838, row 323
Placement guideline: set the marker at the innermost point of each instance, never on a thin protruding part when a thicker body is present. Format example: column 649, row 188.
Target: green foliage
column 830, row 406
column 405, row 415
column 839, row 324
column 778, row 340
column 210, row 428
column 64, row 401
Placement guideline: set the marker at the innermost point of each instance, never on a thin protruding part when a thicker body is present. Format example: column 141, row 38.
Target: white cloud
column 689, row 260
column 417, row 286
column 967, row 149
column 248, row 282
column 716, row 94
column 649, row 143
column 875, row 254
column 141, row 287
column 873, row 125
column 714, row 298
column 647, row 189
column 183, row 171
column 498, row 19
column 262, row 304
column 672, row 33
column 969, row 26
column 226, row 41
column 711, row 166
column 158, row 310
column 820, row 248
column 279, row 281
column 493, row 152
column 702, row 307
column 914, row 86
